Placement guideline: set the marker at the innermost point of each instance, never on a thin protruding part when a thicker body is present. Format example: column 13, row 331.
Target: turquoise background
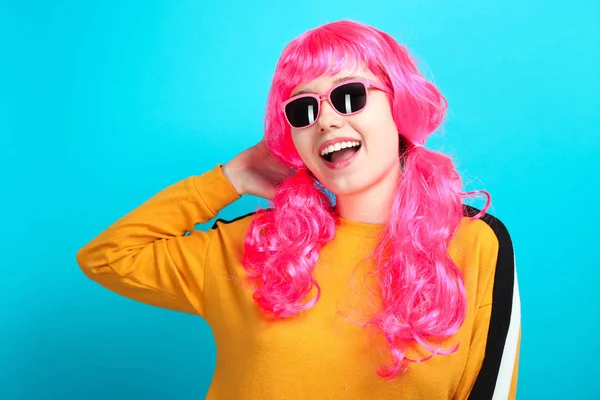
column 102, row 104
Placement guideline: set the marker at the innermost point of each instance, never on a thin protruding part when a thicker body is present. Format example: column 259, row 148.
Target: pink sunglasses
column 346, row 98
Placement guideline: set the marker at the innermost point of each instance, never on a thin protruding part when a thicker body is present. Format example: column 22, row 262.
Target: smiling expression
column 366, row 142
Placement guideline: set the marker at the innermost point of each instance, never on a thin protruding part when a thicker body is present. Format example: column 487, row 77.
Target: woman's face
column 356, row 169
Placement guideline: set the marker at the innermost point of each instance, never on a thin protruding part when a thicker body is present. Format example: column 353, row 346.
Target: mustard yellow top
column 154, row 255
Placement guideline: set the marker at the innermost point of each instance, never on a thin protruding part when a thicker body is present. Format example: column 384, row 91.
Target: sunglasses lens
column 349, row 98
column 302, row 112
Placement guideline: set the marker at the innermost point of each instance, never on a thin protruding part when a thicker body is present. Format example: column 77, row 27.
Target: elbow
column 96, row 259
column 84, row 257
column 91, row 259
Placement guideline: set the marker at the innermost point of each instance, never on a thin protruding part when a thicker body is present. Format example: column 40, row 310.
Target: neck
column 372, row 205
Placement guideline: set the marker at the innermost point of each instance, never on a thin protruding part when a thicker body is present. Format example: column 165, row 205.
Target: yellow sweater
column 154, row 255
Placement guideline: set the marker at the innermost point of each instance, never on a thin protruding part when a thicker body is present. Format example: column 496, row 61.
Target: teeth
column 338, row 146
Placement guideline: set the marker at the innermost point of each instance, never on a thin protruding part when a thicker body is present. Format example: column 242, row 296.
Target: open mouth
column 340, row 151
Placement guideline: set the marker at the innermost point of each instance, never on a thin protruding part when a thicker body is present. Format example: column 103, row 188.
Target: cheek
column 377, row 117
column 303, row 145
column 378, row 129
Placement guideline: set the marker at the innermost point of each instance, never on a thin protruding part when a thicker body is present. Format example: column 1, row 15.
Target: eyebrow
column 335, row 82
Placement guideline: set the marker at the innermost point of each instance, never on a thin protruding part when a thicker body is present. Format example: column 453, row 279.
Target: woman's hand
column 255, row 171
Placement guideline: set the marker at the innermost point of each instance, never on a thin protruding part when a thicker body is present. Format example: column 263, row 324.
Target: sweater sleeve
column 153, row 254
column 492, row 368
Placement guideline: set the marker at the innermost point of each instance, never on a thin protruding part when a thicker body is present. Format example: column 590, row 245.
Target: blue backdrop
column 102, row 104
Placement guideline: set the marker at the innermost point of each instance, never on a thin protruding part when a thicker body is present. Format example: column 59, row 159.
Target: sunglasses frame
column 320, row 97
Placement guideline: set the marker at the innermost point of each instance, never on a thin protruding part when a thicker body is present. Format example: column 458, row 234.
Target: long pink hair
column 422, row 294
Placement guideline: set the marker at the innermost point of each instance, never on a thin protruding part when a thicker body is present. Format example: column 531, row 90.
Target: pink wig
column 421, row 291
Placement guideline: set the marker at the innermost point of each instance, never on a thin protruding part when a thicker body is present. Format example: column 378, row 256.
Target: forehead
column 325, row 82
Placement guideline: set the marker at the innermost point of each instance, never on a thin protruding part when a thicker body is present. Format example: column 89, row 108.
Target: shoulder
column 494, row 224
column 227, row 239
column 238, row 225
column 488, row 231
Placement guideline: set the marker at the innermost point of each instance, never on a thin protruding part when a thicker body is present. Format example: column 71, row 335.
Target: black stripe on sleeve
column 502, row 300
column 230, row 221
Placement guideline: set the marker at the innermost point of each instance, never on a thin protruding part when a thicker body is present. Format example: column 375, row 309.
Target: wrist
column 233, row 176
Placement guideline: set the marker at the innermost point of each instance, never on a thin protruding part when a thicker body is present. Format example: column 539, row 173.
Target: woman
column 367, row 278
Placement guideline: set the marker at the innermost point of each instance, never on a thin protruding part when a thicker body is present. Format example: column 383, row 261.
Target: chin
column 346, row 187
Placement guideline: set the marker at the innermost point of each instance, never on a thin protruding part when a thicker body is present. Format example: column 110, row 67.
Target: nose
column 329, row 118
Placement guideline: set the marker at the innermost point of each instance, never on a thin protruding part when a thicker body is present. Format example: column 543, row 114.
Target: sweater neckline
column 359, row 228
